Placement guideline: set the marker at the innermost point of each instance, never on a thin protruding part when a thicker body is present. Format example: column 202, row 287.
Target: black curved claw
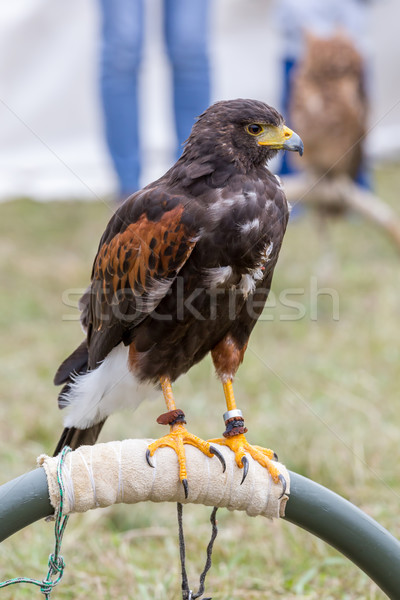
column 148, row 458
column 245, row 463
column 221, row 459
column 185, row 487
column 275, row 457
column 283, row 482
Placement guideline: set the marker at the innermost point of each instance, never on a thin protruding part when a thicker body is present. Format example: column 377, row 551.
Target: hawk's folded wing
column 138, row 259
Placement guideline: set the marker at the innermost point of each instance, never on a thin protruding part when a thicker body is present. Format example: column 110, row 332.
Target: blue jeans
column 287, row 68
column 186, row 37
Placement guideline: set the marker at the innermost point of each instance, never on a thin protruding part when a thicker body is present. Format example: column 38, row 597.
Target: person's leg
column 288, row 65
column 186, row 34
column 122, row 41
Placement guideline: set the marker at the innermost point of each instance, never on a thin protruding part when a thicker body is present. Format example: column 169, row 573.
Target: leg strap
column 172, row 417
column 234, row 423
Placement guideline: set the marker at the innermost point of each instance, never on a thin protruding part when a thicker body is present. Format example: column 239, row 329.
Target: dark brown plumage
column 183, row 268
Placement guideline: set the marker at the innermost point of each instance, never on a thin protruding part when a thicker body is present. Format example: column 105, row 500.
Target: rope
column 56, row 562
column 187, row 593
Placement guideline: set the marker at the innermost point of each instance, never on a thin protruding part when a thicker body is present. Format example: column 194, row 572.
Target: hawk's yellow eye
column 254, row 129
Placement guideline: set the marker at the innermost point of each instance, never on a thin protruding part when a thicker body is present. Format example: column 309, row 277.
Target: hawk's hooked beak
column 281, row 138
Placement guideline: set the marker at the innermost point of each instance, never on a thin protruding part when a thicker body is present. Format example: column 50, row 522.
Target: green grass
column 322, row 392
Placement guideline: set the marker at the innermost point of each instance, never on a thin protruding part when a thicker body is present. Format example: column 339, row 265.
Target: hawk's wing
column 140, row 255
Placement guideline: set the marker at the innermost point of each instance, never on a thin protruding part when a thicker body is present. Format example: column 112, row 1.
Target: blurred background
column 320, row 380
column 51, row 139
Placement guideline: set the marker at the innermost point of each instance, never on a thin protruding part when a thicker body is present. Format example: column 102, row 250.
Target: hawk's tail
column 75, row 364
column 78, row 437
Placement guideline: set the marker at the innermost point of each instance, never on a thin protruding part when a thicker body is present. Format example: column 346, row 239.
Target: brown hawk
column 183, row 268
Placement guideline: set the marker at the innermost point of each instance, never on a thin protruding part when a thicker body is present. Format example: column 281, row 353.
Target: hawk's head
column 247, row 132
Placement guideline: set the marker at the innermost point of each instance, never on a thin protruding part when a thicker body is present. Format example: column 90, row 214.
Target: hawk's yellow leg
column 178, row 435
column 238, row 443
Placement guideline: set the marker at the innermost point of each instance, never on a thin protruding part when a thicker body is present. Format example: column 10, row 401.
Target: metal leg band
column 230, row 414
column 234, row 423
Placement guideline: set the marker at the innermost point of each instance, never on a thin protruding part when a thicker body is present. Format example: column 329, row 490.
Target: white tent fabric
column 51, row 136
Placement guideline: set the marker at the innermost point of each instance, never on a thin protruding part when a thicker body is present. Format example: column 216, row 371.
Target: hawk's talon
column 148, row 459
column 245, row 463
column 177, row 439
column 283, row 482
column 241, row 447
column 221, row 459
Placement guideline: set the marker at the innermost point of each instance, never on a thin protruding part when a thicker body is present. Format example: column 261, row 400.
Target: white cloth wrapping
column 114, row 472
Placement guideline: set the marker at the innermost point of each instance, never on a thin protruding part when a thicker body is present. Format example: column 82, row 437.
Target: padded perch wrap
column 105, row 474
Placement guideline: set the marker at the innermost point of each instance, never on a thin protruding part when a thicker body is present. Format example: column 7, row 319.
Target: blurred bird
column 329, row 102
column 183, row 268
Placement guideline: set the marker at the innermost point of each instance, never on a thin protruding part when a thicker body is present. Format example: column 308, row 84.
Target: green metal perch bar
column 320, row 511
